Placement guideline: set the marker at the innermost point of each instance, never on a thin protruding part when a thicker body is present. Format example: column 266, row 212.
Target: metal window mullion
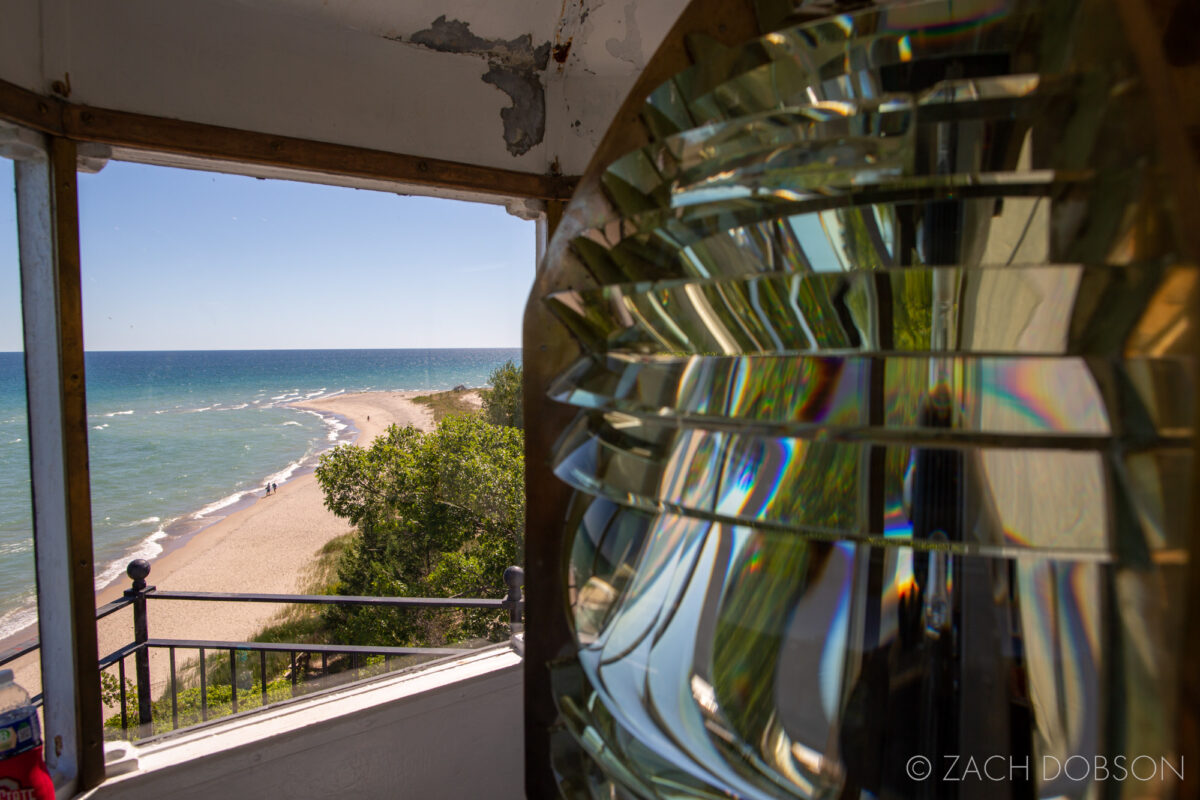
column 48, row 231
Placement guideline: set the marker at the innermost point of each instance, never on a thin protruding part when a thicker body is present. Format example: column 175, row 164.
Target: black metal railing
column 300, row 654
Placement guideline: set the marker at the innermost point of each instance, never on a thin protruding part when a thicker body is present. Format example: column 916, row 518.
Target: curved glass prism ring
column 883, row 459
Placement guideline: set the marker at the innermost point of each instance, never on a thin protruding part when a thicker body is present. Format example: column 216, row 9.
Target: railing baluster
column 203, row 687
column 139, row 570
column 174, row 693
column 138, row 595
column 514, row 578
column 233, row 679
column 124, row 713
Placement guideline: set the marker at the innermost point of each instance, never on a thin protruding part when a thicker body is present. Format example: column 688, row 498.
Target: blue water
column 177, row 438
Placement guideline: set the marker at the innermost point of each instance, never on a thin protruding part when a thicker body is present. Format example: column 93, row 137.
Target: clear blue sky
column 179, row 259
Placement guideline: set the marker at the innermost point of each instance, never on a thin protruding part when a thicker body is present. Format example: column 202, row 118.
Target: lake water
column 177, row 438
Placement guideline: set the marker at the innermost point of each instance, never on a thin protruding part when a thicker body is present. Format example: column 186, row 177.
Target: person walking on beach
column 274, row 488
column 268, row 492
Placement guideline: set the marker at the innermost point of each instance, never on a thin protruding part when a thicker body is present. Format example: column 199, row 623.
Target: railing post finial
column 139, row 570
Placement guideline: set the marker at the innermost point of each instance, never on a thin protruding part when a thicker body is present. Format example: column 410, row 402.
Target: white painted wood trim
column 39, row 302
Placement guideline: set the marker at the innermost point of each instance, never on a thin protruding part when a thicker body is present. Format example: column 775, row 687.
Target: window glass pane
column 237, row 329
column 18, row 598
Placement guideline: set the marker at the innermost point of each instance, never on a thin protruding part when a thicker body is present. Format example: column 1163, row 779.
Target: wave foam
column 336, row 426
column 217, row 505
column 285, row 473
column 120, row 413
column 11, row 548
column 19, row 618
column 148, row 549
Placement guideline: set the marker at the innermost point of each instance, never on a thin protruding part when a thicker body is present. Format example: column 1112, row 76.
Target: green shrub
column 503, row 403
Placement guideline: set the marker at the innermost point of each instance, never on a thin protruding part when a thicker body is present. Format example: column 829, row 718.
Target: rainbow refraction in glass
column 885, row 428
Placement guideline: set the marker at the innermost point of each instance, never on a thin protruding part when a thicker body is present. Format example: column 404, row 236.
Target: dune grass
column 446, row 404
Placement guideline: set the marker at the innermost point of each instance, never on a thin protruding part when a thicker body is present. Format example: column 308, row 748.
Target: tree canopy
column 503, row 404
column 439, row 514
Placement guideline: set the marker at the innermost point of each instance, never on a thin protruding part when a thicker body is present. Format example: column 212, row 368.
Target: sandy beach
column 266, row 548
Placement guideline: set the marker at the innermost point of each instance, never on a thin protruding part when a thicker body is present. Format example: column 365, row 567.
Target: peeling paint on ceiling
column 455, row 36
column 514, row 67
column 630, row 48
column 525, row 120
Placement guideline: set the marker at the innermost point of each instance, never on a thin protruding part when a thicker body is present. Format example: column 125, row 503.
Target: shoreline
column 176, row 540
column 263, row 544
column 192, row 526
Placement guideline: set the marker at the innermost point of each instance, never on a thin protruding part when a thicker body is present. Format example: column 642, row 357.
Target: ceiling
column 526, row 85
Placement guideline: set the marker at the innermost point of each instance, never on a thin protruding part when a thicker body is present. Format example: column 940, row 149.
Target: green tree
column 502, row 404
column 364, row 485
column 438, row 514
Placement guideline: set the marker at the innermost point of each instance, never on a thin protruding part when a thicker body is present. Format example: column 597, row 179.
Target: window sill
column 369, row 738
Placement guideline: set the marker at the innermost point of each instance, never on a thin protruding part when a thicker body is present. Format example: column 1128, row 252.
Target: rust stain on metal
column 571, row 17
column 62, row 88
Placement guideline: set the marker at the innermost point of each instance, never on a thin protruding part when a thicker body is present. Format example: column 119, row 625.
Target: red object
column 24, row 777
column 23, row 774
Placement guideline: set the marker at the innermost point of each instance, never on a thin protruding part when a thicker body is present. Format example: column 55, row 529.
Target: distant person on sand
column 274, row 488
column 267, row 493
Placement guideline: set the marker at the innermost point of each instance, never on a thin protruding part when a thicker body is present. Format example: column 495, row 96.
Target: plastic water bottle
column 23, row 774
